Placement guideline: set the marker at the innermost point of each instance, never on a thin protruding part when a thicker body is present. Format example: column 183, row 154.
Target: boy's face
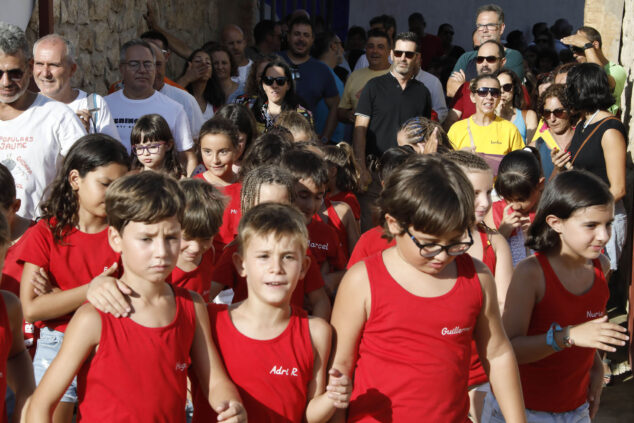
column 309, row 197
column 192, row 249
column 272, row 266
column 149, row 251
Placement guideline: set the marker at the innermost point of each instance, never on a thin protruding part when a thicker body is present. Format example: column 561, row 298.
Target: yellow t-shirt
column 499, row 137
column 354, row 85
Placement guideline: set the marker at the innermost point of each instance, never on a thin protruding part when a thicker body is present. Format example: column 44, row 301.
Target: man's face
column 14, row 81
column 234, row 41
column 300, row 40
column 489, row 27
column 404, row 65
column 160, row 65
column 488, row 51
column 377, row 51
column 579, row 53
column 52, row 69
column 138, row 70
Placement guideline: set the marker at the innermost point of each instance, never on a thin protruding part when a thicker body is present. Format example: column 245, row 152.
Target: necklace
column 587, row 122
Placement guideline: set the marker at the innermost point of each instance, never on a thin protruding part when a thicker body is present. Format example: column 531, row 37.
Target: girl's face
column 552, row 108
column 275, row 92
column 202, row 65
column 151, row 154
column 273, row 193
column 490, row 101
column 506, row 83
column 525, row 207
column 482, row 181
column 586, row 231
column 221, row 64
column 218, row 154
column 91, row 189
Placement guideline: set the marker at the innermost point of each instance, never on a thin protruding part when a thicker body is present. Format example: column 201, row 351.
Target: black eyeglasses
column 489, row 59
column 14, row 74
column 489, row 26
column 269, row 80
column 559, row 113
column 150, row 148
column 433, row 249
column 483, row 91
column 408, row 54
column 507, row 88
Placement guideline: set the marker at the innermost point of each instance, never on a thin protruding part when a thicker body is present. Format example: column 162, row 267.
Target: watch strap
column 588, row 45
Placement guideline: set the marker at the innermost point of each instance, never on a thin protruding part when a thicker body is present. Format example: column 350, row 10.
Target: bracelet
column 550, row 336
column 568, row 341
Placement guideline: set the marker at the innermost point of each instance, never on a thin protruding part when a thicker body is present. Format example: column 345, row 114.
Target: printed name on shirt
column 282, row 371
column 124, row 120
column 496, row 142
column 181, row 366
column 455, row 331
column 233, row 211
column 591, row 315
column 318, row 246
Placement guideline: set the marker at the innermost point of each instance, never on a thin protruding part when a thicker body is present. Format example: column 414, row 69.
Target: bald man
column 233, row 38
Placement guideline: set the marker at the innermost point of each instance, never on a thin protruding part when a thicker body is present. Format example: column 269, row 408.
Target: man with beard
column 233, row 38
column 35, row 131
column 313, row 79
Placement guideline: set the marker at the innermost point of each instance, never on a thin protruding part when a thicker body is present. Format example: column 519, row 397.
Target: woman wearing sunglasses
column 484, row 133
column 557, row 129
column 512, row 106
column 276, row 94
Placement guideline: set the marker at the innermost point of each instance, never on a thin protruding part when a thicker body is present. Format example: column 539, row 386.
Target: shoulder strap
column 590, row 136
column 470, row 134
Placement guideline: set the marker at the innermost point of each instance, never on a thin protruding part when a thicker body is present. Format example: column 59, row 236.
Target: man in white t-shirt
column 138, row 98
column 35, row 131
column 233, row 38
column 53, row 66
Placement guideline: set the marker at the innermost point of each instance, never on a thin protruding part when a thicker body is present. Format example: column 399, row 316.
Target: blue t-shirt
column 314, row 81
column 321, row 114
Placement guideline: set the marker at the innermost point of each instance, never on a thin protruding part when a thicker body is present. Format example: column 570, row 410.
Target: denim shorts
column 492, row 414
column 614, row 247
column 47, row 348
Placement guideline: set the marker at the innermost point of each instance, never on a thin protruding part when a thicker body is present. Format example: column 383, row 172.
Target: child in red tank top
column 555, row 308
column 274, row 352
column 135, row 368
column 404, row 318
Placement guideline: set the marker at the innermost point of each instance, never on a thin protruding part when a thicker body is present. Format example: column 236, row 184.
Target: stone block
column 103, row 36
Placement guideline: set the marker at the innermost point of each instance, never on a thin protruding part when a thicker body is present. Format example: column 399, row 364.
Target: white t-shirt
column 243, row 73
column 101, row 119
column 125, row 113
column 189, row 103
column 32, row 146
column 209, row 112
column 434, row 86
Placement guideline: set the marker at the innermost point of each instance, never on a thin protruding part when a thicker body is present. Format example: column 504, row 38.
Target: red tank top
column 559, row 382
column 139, row 374
column 351, row 199
column 370, row 243
column 6, row 340
column 199, row 279
column 272, row 375
column 413, row 358
column 335, row 222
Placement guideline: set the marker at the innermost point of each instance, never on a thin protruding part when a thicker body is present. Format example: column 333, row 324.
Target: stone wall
column 626, row 58
column 98, row 27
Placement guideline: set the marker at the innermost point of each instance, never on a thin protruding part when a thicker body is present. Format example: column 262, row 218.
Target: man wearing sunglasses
column 586, row 47
column 35, row 131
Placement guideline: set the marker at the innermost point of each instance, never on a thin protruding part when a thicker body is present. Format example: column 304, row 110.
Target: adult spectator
column 438, row 102
column 560, row 29
column 489, row 26
column 586, row 48
column 515, row 40
column 329, row 49
column 35, row 131
column 355, row 44
column 267, row 36
column 513, row 107
column 377, row 51
column 138, row 97
column 446, row 33
column 233, row 38
column 202, row 83
column 313, row 80
column 384, row 23
column 225, row 69
column 252, row 88
column 53, row 66
column 430, row 45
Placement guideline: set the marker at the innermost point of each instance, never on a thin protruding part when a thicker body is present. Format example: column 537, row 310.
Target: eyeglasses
column 483, row 91
column 150, row 148
column 559, row 113
column 269, row 80
column 489, row 59
column 432, row 249
column 14, row 74
column 489, row 26
column 135, row 65
column 408, row 54
column 507, row 88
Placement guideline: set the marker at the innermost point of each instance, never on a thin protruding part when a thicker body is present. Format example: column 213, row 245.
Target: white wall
column 519, row 14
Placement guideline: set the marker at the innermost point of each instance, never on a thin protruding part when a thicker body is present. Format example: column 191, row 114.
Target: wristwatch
column 588, row 45
column 568, row 341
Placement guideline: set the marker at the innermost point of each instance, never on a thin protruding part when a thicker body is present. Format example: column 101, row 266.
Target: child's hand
column 431, row 145
column 339, row 388
column 41, row 283
column 511, row 221
column 560, row 159
column 108, row 294
column 231, row 412
column 599, row 334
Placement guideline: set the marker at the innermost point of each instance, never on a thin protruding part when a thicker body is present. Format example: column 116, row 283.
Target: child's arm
column 221, row 392
column 215, row 289
column 319, row 303
column 596, row 385
column 349, row 314
column 19, row 367
column 323, row 402
column 503, row 267
column 496, row 352
column 81, row 338
column 344, row 211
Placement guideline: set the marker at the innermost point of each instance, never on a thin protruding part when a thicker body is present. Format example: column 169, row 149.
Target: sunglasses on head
column 408, row 54
column 489, row 59
column 483, row 91
column 269, row 80
column 507, row 88
column 14, row 74
column 559, row 113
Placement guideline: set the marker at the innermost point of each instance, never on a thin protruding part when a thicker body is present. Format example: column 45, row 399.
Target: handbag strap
column 590, row 136
column 470, row 134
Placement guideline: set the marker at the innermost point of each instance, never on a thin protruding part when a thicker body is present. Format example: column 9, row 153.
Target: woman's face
column 222, row 64
column 552, row 108
column 487, row 96
column 201, row 63
column 276, row 91
column 506, row 85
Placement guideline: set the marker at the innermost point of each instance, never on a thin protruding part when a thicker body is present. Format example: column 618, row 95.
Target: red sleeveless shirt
column 6, row 340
